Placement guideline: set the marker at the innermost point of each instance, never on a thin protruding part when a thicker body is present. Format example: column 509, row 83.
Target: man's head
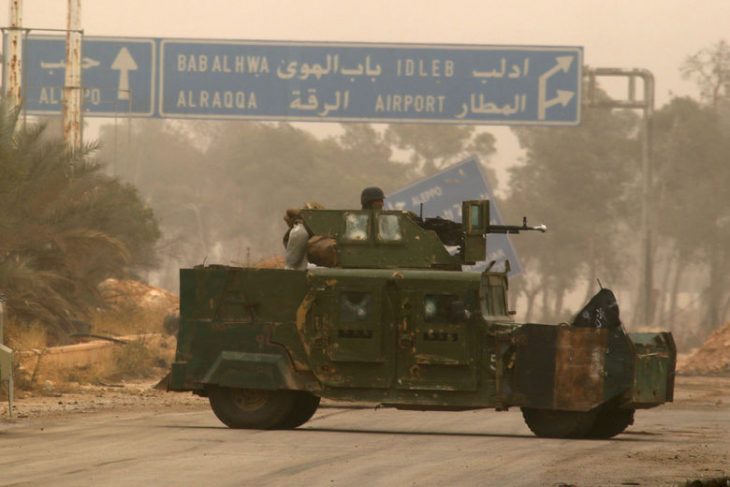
column 372, row 197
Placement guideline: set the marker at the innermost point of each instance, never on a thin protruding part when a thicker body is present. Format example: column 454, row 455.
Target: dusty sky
column 652, row 34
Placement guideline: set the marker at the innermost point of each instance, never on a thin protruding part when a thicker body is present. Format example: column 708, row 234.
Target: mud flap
column 568, row 368
column 256, row 371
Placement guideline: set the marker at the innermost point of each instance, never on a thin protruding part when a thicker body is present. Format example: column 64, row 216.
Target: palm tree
column 64, row 227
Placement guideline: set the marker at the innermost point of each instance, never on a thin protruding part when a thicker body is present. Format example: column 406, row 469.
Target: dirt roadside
column 75, row 399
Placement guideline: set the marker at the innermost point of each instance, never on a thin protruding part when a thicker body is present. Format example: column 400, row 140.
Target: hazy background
column 218, row 189
column 652, row 34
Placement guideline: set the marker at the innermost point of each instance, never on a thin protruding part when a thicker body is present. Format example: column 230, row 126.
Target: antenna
column 599, row 283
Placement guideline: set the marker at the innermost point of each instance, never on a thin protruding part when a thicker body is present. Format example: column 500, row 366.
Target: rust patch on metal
column 430, row 358
column 300, row 366
column 302, row 312
column 414, row 372
column 327, row 369
column 329, row 374
column 579, row 367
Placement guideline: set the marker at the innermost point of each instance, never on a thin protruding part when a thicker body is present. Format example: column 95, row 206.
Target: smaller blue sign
column 118, row 75
column 442, row 194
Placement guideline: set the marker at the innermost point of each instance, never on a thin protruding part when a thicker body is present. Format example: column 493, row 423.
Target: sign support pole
column 13, row 69
column 72, row 123
column 646, row 289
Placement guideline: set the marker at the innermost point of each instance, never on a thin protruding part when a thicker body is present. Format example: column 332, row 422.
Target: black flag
column 600, row 312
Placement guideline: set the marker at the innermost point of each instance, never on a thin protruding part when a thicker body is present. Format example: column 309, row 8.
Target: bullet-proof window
column 357, row 226
column 498, row 301
column 389, row 228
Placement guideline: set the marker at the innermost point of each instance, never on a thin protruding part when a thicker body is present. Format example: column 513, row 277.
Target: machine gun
column 476, row 226
column 515, row 229
column 470, row 235
column 452, row 233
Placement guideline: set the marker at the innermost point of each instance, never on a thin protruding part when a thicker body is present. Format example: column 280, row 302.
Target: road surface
column 163, row 444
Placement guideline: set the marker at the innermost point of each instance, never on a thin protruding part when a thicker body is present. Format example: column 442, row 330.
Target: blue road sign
column 370, row 82
column 118, row 75
column 442, row 194
column 196, row 78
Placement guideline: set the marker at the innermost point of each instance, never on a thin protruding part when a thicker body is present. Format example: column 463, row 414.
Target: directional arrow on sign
column 563, row 98
column 124, row 63
column 562, row 63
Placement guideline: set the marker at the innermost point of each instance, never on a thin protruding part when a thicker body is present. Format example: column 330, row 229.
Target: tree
column 434, row 146
column 166, row 162
column 710, row 68
column 578, row 181
column 64, row 227
column 693, row 179
column 220, row 189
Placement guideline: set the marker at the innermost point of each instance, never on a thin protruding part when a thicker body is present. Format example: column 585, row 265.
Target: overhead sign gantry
column 193, row 78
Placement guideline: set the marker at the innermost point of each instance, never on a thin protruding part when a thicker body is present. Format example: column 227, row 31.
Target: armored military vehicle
column 394, row 321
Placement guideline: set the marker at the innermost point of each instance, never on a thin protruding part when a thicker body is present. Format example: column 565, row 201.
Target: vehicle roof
column 410, row 274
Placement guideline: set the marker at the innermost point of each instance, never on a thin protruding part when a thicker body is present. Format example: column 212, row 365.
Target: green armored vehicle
column 394, row 321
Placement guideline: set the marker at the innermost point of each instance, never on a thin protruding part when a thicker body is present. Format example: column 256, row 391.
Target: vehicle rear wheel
column 548, row 423
column 249, row 408
column 305, row 405
column 611, row 421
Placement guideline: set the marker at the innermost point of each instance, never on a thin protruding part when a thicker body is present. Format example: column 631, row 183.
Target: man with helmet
column 372, row 197
column 302, row 248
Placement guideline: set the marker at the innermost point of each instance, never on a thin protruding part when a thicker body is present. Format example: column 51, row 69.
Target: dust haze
column 219, row 189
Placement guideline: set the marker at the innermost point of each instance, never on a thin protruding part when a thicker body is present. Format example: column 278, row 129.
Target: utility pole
column 72, row 90
column 13, row 69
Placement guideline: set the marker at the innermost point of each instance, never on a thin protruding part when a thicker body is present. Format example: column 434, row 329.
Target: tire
column 548, row 423
column 250, row 408
column 611, row 421
column 305, row 405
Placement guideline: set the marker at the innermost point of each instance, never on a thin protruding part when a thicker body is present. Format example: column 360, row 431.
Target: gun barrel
column 516, row 228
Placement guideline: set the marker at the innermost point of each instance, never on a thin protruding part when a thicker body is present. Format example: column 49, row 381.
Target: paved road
column 344, row 446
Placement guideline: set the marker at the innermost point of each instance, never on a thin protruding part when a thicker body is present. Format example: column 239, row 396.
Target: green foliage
column 64, row 227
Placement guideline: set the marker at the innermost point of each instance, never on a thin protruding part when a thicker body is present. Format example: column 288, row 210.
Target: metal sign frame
column 339, row 82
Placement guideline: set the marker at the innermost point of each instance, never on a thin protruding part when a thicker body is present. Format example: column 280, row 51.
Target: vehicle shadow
column 463, row 434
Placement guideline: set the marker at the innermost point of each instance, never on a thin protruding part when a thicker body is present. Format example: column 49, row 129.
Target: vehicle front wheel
column 548, row 423
column 250, row 408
